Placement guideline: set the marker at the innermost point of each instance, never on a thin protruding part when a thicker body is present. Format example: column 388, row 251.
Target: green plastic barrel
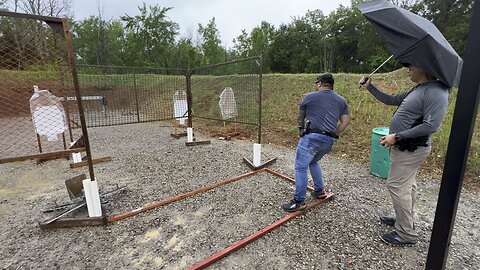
column 379, row 155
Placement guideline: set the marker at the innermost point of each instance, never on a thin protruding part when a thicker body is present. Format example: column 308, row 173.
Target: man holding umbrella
column 420, row 113
column 435, row 67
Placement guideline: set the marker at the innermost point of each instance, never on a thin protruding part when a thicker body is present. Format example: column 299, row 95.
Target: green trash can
column 379, row 155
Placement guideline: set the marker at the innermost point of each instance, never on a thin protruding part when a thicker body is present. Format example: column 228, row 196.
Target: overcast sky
column 231, row 16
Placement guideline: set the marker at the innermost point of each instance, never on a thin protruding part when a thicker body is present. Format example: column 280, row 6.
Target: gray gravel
column 341, row 234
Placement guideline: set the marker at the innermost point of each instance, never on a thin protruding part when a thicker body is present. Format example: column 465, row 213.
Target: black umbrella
column 414, row 40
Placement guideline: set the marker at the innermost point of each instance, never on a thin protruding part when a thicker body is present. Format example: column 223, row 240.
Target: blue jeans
column 311, row 148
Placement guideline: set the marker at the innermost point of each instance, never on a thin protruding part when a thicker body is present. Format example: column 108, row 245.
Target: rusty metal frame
column 249, row 239
column 156, row 204
column 242, row 243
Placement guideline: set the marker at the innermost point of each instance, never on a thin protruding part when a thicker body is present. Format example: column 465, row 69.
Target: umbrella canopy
column 414, row 40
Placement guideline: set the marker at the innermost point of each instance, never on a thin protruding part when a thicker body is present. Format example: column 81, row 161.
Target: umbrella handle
column 380, row 66
column 384, row 62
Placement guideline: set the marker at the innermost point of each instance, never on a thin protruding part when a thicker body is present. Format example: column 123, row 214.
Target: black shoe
column 394, row 239
column 293, row 206
column 319, row 194
column 390, row 221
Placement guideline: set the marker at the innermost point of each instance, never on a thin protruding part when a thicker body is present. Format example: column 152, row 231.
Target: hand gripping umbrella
column 414, row 40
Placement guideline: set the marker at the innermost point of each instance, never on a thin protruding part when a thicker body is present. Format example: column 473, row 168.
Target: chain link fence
column 229, row 93
column 40, row 116
column 126, row 95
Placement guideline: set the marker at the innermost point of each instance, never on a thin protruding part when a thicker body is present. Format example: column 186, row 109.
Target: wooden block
column 197, row 143
column 94, row 161
column 75, row 222
column 178, row 135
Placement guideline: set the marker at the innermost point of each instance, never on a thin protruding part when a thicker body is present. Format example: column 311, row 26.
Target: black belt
column 312, row 130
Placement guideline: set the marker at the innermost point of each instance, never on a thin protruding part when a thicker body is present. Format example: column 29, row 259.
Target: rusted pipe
column 223, row 253
column 178, row 197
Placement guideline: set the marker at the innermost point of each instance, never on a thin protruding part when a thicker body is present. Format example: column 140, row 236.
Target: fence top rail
column 129, row 67
column 227, row 63
column 31, row 16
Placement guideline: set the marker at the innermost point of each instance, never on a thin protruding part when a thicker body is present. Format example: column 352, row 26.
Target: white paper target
column 49, row 121
column 227, row 103
column 180, row 105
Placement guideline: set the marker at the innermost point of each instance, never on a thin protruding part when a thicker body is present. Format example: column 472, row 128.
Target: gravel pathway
column 341, row 234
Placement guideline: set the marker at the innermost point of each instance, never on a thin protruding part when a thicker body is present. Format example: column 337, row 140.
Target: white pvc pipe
column 92, row 197
column 77, row 157
column 189, row 134
column 182, row 121
column 257, row 154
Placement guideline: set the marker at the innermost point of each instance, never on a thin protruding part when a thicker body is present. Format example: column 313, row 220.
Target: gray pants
column 402, row 186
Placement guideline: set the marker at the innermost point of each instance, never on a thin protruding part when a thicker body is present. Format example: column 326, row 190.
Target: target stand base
column 194, row 143
column 178, row 135
column 254, row 168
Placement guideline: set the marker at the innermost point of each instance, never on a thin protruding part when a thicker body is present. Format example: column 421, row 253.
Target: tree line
column 342, row 41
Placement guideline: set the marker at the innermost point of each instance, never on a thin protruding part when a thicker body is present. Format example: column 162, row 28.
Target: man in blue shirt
column 322, row 115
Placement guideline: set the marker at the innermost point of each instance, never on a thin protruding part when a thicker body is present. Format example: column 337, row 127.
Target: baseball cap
column 326, row 78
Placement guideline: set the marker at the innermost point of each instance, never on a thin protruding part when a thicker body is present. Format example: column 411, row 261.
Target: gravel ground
column 341, row 234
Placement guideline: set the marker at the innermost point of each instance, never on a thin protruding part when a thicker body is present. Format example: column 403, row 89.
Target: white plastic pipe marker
column 92, row 197
column 189, row 134
column 77, row 157
column 257, row 154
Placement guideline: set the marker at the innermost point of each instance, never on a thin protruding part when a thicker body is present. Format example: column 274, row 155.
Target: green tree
column 98, row 42
column 150, row 37
column 186, row 55
column 255, row 43
column 210, row 43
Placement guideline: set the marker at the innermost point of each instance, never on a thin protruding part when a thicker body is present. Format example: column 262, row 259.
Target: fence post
column 136, row 96
column 188, row 76
column 76, row 85
column 466, row 108
column 260, row 100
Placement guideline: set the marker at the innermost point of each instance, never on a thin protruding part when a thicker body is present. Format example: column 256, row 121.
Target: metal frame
column 61, row 26
column 242, row 243
column 463, row 124
column 249, row 239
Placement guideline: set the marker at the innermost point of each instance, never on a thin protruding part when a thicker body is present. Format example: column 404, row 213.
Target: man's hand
column 365, row 81
column 388, row 140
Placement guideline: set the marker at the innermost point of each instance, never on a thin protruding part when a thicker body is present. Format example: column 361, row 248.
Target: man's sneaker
column 293, row 206
column 319, row 194
column 395, row 239
column 390, row 221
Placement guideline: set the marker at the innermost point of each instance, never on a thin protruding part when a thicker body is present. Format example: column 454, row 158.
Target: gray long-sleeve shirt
column 428, row 100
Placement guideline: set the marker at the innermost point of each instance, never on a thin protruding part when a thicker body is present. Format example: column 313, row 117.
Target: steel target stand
column 241, row 243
